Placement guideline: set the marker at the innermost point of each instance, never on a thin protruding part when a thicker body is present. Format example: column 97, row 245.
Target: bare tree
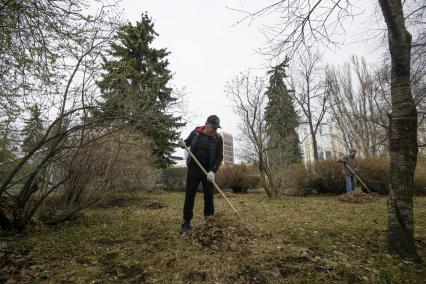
column 382, row 88
column 309, row 94
column 248, row 96
column 358, row 113
column 70, row 43
column 313, row 22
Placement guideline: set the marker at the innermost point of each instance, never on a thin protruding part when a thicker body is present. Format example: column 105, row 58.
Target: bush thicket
column 326, row 177
column 239, row 178
column 121, row 164
column 172, row 179
column 322, row 177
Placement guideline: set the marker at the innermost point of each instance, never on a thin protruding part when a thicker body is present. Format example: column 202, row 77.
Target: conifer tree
column 33, row 130
column 136, row 86
column 281, row 118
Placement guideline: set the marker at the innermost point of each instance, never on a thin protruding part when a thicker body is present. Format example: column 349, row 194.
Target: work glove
column 181, row 143
column 210, row 177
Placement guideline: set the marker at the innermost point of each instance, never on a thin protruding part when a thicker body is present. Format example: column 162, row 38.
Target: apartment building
column 228, row 148
column 328, row 143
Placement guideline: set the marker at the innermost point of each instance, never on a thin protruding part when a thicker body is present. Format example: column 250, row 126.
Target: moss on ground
column 297, row 239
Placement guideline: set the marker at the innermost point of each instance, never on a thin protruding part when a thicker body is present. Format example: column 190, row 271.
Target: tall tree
column 309, row 94
column 357, row 112
column 281, row 119
column 136, row 84
column 402, row 134
column 33, row 130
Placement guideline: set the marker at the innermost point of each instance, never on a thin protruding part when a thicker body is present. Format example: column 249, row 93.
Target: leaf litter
column 358, row 196
column 220, row 234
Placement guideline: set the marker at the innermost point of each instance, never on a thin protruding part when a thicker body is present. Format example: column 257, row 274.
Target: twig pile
column 357, row 196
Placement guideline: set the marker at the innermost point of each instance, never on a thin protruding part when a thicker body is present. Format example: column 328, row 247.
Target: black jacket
column 215, row 152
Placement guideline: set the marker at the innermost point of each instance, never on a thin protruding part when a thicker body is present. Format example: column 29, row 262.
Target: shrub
column 374, row 172
column 326, row 177
column 111, row 164
column 239, row 178
column 133, row 168
column 322, row 177
column 173, row 179
column 295, row 180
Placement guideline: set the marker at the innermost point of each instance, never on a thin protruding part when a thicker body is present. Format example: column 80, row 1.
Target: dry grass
column 297, row 239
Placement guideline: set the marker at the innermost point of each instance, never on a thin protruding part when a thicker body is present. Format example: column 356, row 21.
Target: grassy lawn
column 303, row 240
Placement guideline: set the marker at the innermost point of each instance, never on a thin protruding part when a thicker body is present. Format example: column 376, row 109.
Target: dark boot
column 185, row 227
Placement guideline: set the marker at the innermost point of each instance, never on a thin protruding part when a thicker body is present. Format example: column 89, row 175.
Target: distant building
column 228, row 148
column 328, row 143
column 179, row 161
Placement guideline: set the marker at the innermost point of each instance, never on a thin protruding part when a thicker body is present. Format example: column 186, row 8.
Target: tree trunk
column 5, row 223
column 403, row 135
column 265, row 184
column 314, row 140
column 263, row 180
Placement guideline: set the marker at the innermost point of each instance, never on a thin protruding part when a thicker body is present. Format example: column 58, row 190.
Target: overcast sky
column 207, row 49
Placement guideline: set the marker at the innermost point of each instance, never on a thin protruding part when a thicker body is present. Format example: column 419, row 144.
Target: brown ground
column 315, row 239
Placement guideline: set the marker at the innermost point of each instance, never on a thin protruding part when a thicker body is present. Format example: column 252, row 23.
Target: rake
column 357, row 177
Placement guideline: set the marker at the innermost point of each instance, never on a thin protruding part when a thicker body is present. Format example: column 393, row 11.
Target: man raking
column 349, row 168
column 207, row 146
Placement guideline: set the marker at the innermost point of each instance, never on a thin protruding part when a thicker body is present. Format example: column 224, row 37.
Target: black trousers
column 193, row 178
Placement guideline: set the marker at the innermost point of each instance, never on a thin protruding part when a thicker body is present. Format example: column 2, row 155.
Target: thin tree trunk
column 263, row 180
column 5, row 223
column 314, row 140
column 403, row 135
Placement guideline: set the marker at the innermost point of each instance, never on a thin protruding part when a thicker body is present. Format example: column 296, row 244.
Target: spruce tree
column 135, row 86
column 33, row 129
column 281, row 118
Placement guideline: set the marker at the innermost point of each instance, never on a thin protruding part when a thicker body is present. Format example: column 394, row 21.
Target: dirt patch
column 16, row 266
column 251, row 274
column 108, row 242
column 121, row 201
column 113, row 201
column 195, row 275
column 219, row 234
column 292, row 264
column 131, row 273
column 152, row 235
column 155, row 205
column 358, row 196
